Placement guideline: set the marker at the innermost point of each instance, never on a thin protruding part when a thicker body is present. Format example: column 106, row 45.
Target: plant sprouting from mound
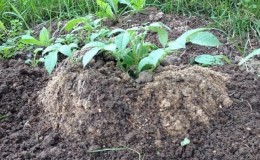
column 134, row 54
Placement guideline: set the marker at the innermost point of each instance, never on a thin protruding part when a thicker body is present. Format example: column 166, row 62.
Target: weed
column 3, row 117
column 140, row 157
column 111, row 8
column 10, row 39
column 250, row 56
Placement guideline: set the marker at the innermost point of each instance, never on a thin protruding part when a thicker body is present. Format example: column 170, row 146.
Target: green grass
column 236, row 17
column 32, row 12
column 239, row 18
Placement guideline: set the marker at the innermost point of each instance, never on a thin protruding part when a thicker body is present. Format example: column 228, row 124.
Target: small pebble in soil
column 144, row 77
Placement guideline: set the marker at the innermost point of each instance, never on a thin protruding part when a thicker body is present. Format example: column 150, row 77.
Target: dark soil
column 28, row 132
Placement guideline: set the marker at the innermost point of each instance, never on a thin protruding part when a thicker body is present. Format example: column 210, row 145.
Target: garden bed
column 77, row 110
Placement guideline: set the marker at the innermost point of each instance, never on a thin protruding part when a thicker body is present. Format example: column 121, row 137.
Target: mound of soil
column 104, row 104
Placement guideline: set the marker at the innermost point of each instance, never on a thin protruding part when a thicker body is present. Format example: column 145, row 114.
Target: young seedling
column 134, row 54
column 34, row 61
column 43, row 41
column 83, row 27
column 51, row 54
column 129, row 46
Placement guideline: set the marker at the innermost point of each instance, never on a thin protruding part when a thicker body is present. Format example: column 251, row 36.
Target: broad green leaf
column 185, row 142
column 50, row 61
column 54, row 47
column 2, row 26
column 106, row 8
column 73, row 45
column 38, row 50
column 122, row 41
column 204, row 39
column 155, row 25
column 72, row 23
column 102, row 32
column 65, row 49
column 181, row 41
column 44, row 36
column 209, row 60
column 110, row 47
column 28, row 61
column 127, row 2
column 138, row 5
column 254, row 53
column 128, row 60
column 152, row 60
column 114, row 5
column 89, row 55
column 26, row 39
column 116, row 31
column 94, row 44
column 96, row 22
column 163, row 37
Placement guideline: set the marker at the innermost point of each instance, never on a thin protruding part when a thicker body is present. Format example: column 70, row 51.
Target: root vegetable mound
column 104, row 105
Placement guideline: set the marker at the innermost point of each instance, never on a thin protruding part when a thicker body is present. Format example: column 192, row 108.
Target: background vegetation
column 237, row 17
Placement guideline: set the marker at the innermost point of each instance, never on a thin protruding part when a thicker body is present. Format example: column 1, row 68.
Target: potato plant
column 134, row 54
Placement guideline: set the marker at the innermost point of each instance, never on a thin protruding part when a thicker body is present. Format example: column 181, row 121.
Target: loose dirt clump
column 105, row 105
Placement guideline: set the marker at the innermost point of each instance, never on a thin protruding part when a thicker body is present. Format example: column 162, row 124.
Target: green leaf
column 181, row 41
column 152, row 60
column 37, row 50
column 185, row 142
column 155, row 25
column 116, row 31
column 72, row 23
column 44, row 36
column 94, row 44
column 249, row 56
column 89, row 55
column 50, row 61
column 106, row 8
column 163, row 37
column 138, row 5
column 128, row 60
column 2, row 26
column 122, row 41
column 73, row 45
column 209, row 60
column 54, row 47
column 114, row 5
column 127, row 2
column 204, row 39
column 65, row 49
column 110, row 47
column 26, row 39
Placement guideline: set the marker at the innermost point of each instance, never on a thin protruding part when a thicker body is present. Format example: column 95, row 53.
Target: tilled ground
column 232, row 133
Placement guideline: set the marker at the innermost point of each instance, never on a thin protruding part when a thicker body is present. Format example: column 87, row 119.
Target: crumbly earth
column 89, row 102
column 28, row 130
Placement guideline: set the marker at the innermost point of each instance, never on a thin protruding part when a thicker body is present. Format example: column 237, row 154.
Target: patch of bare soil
column 101, row 107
